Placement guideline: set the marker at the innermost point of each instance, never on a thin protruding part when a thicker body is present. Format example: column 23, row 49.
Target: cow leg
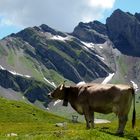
column 87, row 117
column 92, row 119
column 122, row 122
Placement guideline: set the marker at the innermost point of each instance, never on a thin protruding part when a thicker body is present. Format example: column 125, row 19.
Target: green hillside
column 27, row 122
column 15, row 111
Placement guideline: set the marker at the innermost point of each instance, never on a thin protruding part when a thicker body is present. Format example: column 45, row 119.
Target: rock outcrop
column 29, row 87
column 124, row 31
column 91, row 32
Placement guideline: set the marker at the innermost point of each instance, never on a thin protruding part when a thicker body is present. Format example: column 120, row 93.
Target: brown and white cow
column 102, row 98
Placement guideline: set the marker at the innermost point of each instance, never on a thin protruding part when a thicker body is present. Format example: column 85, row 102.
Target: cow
column 102, row 98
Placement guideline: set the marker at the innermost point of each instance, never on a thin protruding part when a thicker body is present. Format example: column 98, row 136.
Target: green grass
column 31, row 123
column 2, row 51
column 138, row 104
column 43, row 131
column 61, row 53
column 11, row 57
column 15, row 111
column 52, row 75
column 122, row 70
column 39, row 74
column 122, row 65
column 32, row 67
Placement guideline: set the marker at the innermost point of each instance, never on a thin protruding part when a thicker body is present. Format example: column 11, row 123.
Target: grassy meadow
column 21, row 121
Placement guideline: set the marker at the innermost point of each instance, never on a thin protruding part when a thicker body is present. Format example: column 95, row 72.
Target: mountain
column 29, row 87
column 124, row 31
column 95, row 32
column 37, row 59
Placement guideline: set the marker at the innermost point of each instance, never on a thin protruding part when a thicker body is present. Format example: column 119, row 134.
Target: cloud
column 60, row 14
column 101, row 3
column 5, row 22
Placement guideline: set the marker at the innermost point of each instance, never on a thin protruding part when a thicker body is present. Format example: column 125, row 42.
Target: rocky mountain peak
column 95, row 25
column 137, row 15
column 46, row 28
column 91, row 32
column 124, row 31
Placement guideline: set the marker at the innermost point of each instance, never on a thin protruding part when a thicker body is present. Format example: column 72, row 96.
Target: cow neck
column 70, row 94
column 65, row 101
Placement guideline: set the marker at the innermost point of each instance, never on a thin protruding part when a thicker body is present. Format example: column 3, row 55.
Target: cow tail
column 134, row 110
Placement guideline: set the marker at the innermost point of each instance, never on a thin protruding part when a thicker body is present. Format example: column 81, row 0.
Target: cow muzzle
column 50, row 96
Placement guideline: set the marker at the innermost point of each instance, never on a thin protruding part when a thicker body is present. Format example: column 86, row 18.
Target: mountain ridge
column 124, row 33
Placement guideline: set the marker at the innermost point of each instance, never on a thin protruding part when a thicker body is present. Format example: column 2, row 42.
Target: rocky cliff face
column 124, row 31
column 91, row 32
column 30, row 88
column 62, row 53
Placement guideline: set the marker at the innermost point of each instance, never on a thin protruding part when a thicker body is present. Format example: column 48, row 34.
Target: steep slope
column 91, row 32
column 63, row 55
column 28, row 87
column 124, row 31
column 20, row 112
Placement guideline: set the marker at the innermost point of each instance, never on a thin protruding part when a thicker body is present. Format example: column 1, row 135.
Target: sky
column 62, row 15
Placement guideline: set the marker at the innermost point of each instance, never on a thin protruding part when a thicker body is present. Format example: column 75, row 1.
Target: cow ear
column 61, row 87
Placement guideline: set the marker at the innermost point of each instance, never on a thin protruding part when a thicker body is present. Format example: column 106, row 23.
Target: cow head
column 59, row 93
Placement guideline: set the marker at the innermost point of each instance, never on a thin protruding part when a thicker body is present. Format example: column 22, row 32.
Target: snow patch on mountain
column 15, row 73
column 51, row 83
column 57, row 37
column 101, row 47
column 108, row 78
column 89, row 45
column 2, row 68
column 100, row 57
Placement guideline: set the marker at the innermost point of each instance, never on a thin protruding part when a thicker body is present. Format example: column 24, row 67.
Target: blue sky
column 63, row 15
column 131, row 6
